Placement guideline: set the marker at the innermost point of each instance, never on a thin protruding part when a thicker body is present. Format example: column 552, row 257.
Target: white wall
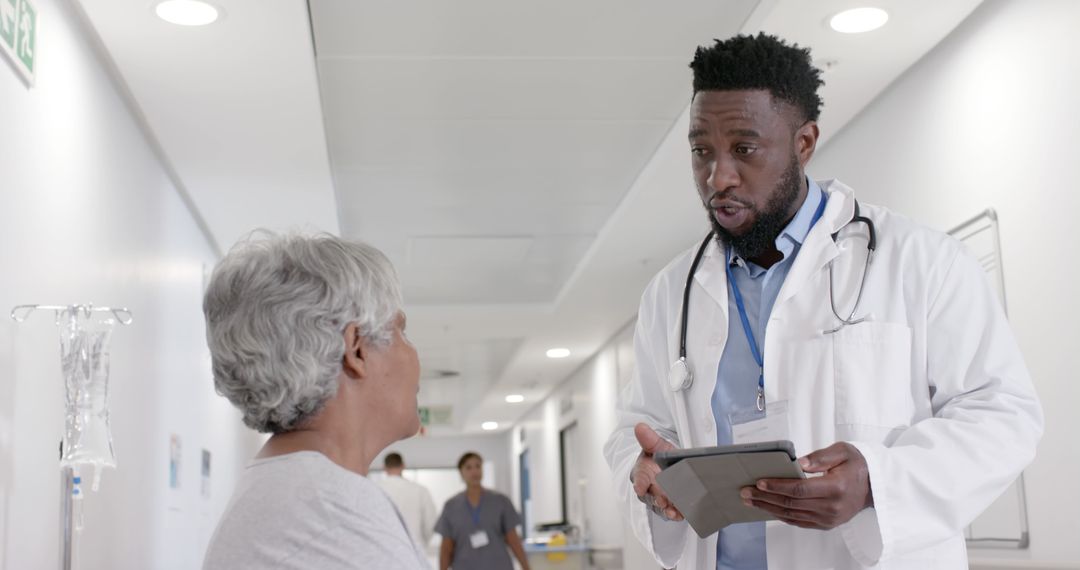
column 990, row 118
column 92, row 216
column 587, row 398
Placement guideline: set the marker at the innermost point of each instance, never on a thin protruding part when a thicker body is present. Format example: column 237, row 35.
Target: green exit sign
column 435, row 415
column 18, row 35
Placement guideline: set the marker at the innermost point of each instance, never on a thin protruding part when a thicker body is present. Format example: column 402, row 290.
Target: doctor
column 872, row 343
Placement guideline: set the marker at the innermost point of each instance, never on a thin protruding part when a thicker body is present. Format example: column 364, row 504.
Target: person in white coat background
column 412, row 500
column 893, row 371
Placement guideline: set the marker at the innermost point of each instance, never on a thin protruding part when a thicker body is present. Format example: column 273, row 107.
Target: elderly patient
column 308, row 340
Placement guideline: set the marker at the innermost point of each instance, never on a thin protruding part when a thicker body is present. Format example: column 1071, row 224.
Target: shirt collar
column 800, row 225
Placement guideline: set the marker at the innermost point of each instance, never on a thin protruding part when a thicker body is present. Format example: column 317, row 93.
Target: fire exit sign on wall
column 18, row 36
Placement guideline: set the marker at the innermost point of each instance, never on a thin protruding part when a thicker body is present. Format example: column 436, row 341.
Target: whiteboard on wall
column 1005, row 523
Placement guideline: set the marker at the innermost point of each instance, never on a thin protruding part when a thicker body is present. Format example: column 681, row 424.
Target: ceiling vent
column 438, row 374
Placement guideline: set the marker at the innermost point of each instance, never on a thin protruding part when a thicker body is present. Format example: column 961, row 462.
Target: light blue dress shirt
column 742, row 546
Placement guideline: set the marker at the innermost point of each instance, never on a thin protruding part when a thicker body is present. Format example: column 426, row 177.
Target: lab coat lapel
column 710, row 275
column 819, row 249
column 706, row 334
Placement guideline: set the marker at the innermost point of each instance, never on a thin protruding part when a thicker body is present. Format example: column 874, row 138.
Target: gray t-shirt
column 303, row 511
column 495, row 516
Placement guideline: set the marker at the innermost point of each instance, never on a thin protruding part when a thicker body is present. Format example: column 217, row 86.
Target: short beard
column 761, row 237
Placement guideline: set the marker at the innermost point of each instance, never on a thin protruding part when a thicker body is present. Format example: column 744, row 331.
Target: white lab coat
column 932, row 390
column 414, row 504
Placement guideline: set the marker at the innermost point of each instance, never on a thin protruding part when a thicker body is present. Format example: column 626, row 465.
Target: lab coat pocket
column 873, row 375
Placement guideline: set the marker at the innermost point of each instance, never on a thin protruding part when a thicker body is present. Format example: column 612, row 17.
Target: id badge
column 753, row 426
column 479, row 539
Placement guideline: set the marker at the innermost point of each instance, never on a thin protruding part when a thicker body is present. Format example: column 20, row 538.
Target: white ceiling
column 483, row 144
column 235, row 108
column 500, row 153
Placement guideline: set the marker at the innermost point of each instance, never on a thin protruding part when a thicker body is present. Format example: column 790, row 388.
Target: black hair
column 393, row 461
column 468, row 455
column 760, row 62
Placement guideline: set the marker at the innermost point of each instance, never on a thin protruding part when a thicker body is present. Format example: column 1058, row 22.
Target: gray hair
column 276, row 308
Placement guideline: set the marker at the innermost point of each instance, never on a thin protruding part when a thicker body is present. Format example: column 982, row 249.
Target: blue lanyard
column 746, row 321
column 474, row 513
column 749, row 335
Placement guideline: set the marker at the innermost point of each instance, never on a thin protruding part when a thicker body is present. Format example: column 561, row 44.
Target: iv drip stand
column 67, row 475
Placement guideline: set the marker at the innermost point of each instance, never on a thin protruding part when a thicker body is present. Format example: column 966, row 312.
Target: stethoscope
column 680, row 377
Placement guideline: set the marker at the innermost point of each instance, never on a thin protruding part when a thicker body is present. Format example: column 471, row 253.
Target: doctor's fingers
column 660, row 505
column 671, row 514
column 815, row 488
column 847, row 484
column 654, row 496
column 643, row 475
column 660, row 498
column 649, row 440
column 807, row 513
column 825, row 512
column 831, row 457
column 668, row 514
column 823, row 509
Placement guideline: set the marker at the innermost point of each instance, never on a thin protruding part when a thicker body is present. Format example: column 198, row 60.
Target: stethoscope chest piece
column 680, row 377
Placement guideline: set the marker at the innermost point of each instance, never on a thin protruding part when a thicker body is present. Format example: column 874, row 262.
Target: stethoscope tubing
column 687, row 379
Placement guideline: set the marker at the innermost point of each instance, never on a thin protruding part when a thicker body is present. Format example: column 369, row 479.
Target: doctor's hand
column 820, row 502
column 643, row 475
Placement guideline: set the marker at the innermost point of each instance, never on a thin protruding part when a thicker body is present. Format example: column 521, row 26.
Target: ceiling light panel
column 558, row 352
column 187, row 12
column 859, row 20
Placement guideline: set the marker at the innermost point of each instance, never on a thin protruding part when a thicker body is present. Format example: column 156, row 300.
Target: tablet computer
column 704, row 482
column 666, row 459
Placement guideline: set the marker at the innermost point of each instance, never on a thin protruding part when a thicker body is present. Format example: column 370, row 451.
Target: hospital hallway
column 524, row 167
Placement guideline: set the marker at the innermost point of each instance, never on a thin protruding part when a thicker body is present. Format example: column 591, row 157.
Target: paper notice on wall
column 205, row 474
column 175, row 456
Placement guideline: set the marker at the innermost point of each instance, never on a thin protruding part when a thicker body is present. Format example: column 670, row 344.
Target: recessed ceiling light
column 186, row 12
column 515, row 399
column 558, row 352
column 488, row 426
column 859, row 20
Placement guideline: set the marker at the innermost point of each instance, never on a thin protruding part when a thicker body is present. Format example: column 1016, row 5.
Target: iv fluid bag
column 84, row 359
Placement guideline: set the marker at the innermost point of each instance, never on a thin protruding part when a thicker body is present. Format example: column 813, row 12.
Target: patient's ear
column 354, row 363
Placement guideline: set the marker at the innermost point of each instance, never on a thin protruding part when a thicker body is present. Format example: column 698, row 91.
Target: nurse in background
column 478, row 525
